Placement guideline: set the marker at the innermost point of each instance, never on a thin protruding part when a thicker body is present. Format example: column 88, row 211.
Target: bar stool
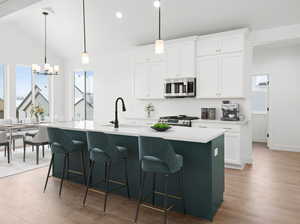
column 61, row 142
column 157, row 156
column 103, row 150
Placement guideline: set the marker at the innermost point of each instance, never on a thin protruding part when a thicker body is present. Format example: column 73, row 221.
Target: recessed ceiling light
column 156, row 3
column 119, row 15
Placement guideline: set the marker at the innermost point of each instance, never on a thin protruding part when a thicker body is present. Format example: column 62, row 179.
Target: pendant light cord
column 159, row 22
column 45, row 14
column 84, row 28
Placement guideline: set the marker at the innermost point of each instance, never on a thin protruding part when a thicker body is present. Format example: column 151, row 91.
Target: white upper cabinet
column 181, row 58
column 208, row 77
column 232, row 44
column 220, row 76
column 148, row 80
column 156, row 79
column 220, row 44
column 220, row 65
column 231, row 75
column 208, row 46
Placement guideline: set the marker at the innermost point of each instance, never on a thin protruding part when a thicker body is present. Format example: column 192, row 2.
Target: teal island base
column 203, row 173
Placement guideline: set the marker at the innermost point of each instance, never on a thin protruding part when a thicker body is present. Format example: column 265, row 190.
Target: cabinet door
column 208, row 77
column 187, row 59
column 232, row 44
column 232, row 148
column 231, row 75
column 173, row 61
column 208, row 46
column 141, row 87
column 155, row 79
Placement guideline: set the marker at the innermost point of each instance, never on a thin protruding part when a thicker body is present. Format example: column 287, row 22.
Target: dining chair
column 39, row 139
column 4, row 141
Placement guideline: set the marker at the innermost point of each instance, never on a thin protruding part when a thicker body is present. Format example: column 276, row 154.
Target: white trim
column 287, row 148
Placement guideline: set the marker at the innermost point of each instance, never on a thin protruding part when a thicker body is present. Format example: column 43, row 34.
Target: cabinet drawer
column 231, row 128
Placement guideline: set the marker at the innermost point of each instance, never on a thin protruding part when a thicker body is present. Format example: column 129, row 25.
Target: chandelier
column 46, row 68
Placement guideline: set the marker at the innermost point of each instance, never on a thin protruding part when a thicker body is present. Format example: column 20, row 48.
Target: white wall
column 18, row 48
column 283, row 66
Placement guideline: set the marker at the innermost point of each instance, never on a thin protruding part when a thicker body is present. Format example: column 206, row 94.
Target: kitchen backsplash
column 190, row 107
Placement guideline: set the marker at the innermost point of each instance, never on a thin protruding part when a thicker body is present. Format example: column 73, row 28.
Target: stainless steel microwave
column 180, row 87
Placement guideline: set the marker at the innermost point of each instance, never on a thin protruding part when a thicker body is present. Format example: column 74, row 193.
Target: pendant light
column 85, row 59
column 45, row 69
column 159, row 43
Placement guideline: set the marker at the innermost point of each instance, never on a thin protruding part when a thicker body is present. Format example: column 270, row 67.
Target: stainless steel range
column 180, row 120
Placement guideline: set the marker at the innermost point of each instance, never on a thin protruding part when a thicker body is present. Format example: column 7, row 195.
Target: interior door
column 208, row 77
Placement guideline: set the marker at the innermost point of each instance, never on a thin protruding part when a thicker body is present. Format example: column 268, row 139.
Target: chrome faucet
column 116, row 122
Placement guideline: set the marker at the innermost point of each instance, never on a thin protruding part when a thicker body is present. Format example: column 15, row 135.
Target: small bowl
column 160, row 129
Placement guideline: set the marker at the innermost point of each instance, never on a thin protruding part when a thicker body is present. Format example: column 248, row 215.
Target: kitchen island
column 202, row 150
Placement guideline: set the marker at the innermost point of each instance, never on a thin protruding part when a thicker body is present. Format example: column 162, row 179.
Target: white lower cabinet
column 232, row 149
column 234, row 152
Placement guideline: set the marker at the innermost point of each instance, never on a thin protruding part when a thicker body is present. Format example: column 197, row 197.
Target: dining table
column 16, row 127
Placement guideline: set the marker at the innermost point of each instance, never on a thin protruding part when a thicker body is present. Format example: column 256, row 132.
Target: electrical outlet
column 216, row 152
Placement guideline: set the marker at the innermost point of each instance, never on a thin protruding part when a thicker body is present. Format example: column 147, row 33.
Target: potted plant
column 37, row 111
column 149, row 108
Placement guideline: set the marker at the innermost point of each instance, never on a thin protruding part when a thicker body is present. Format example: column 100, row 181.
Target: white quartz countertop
column 199, row 135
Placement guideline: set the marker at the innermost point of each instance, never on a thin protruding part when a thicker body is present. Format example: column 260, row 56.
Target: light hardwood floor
column 266, row 193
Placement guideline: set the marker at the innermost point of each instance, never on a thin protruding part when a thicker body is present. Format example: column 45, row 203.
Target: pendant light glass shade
column 159, row 47
column 85, row 59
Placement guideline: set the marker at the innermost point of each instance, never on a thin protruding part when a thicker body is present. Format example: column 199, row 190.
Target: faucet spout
column 116, row 123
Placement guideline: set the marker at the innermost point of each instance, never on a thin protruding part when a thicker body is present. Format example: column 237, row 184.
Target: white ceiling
column 9, row 6
column 180, row 18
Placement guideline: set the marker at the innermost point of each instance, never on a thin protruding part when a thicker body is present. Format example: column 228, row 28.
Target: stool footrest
column 75, row 172
column 146, row 205
column 168, row 195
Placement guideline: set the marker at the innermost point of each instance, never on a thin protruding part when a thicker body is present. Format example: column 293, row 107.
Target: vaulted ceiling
column 9, row 6
column 180, row 18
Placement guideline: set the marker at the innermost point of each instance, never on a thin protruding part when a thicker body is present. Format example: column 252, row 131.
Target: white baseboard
column 287, row 148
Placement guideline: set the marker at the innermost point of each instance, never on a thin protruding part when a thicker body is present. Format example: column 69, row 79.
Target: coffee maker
column 230, row 111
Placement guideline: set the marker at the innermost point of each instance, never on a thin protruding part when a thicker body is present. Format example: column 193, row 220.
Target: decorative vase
column 148, row 114
column 37, row 119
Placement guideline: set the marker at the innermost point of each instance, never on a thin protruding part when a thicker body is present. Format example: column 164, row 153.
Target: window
column 23, row 92
column 83, row 95
column 1, row 91
column 42, row 94
column 259, row 93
